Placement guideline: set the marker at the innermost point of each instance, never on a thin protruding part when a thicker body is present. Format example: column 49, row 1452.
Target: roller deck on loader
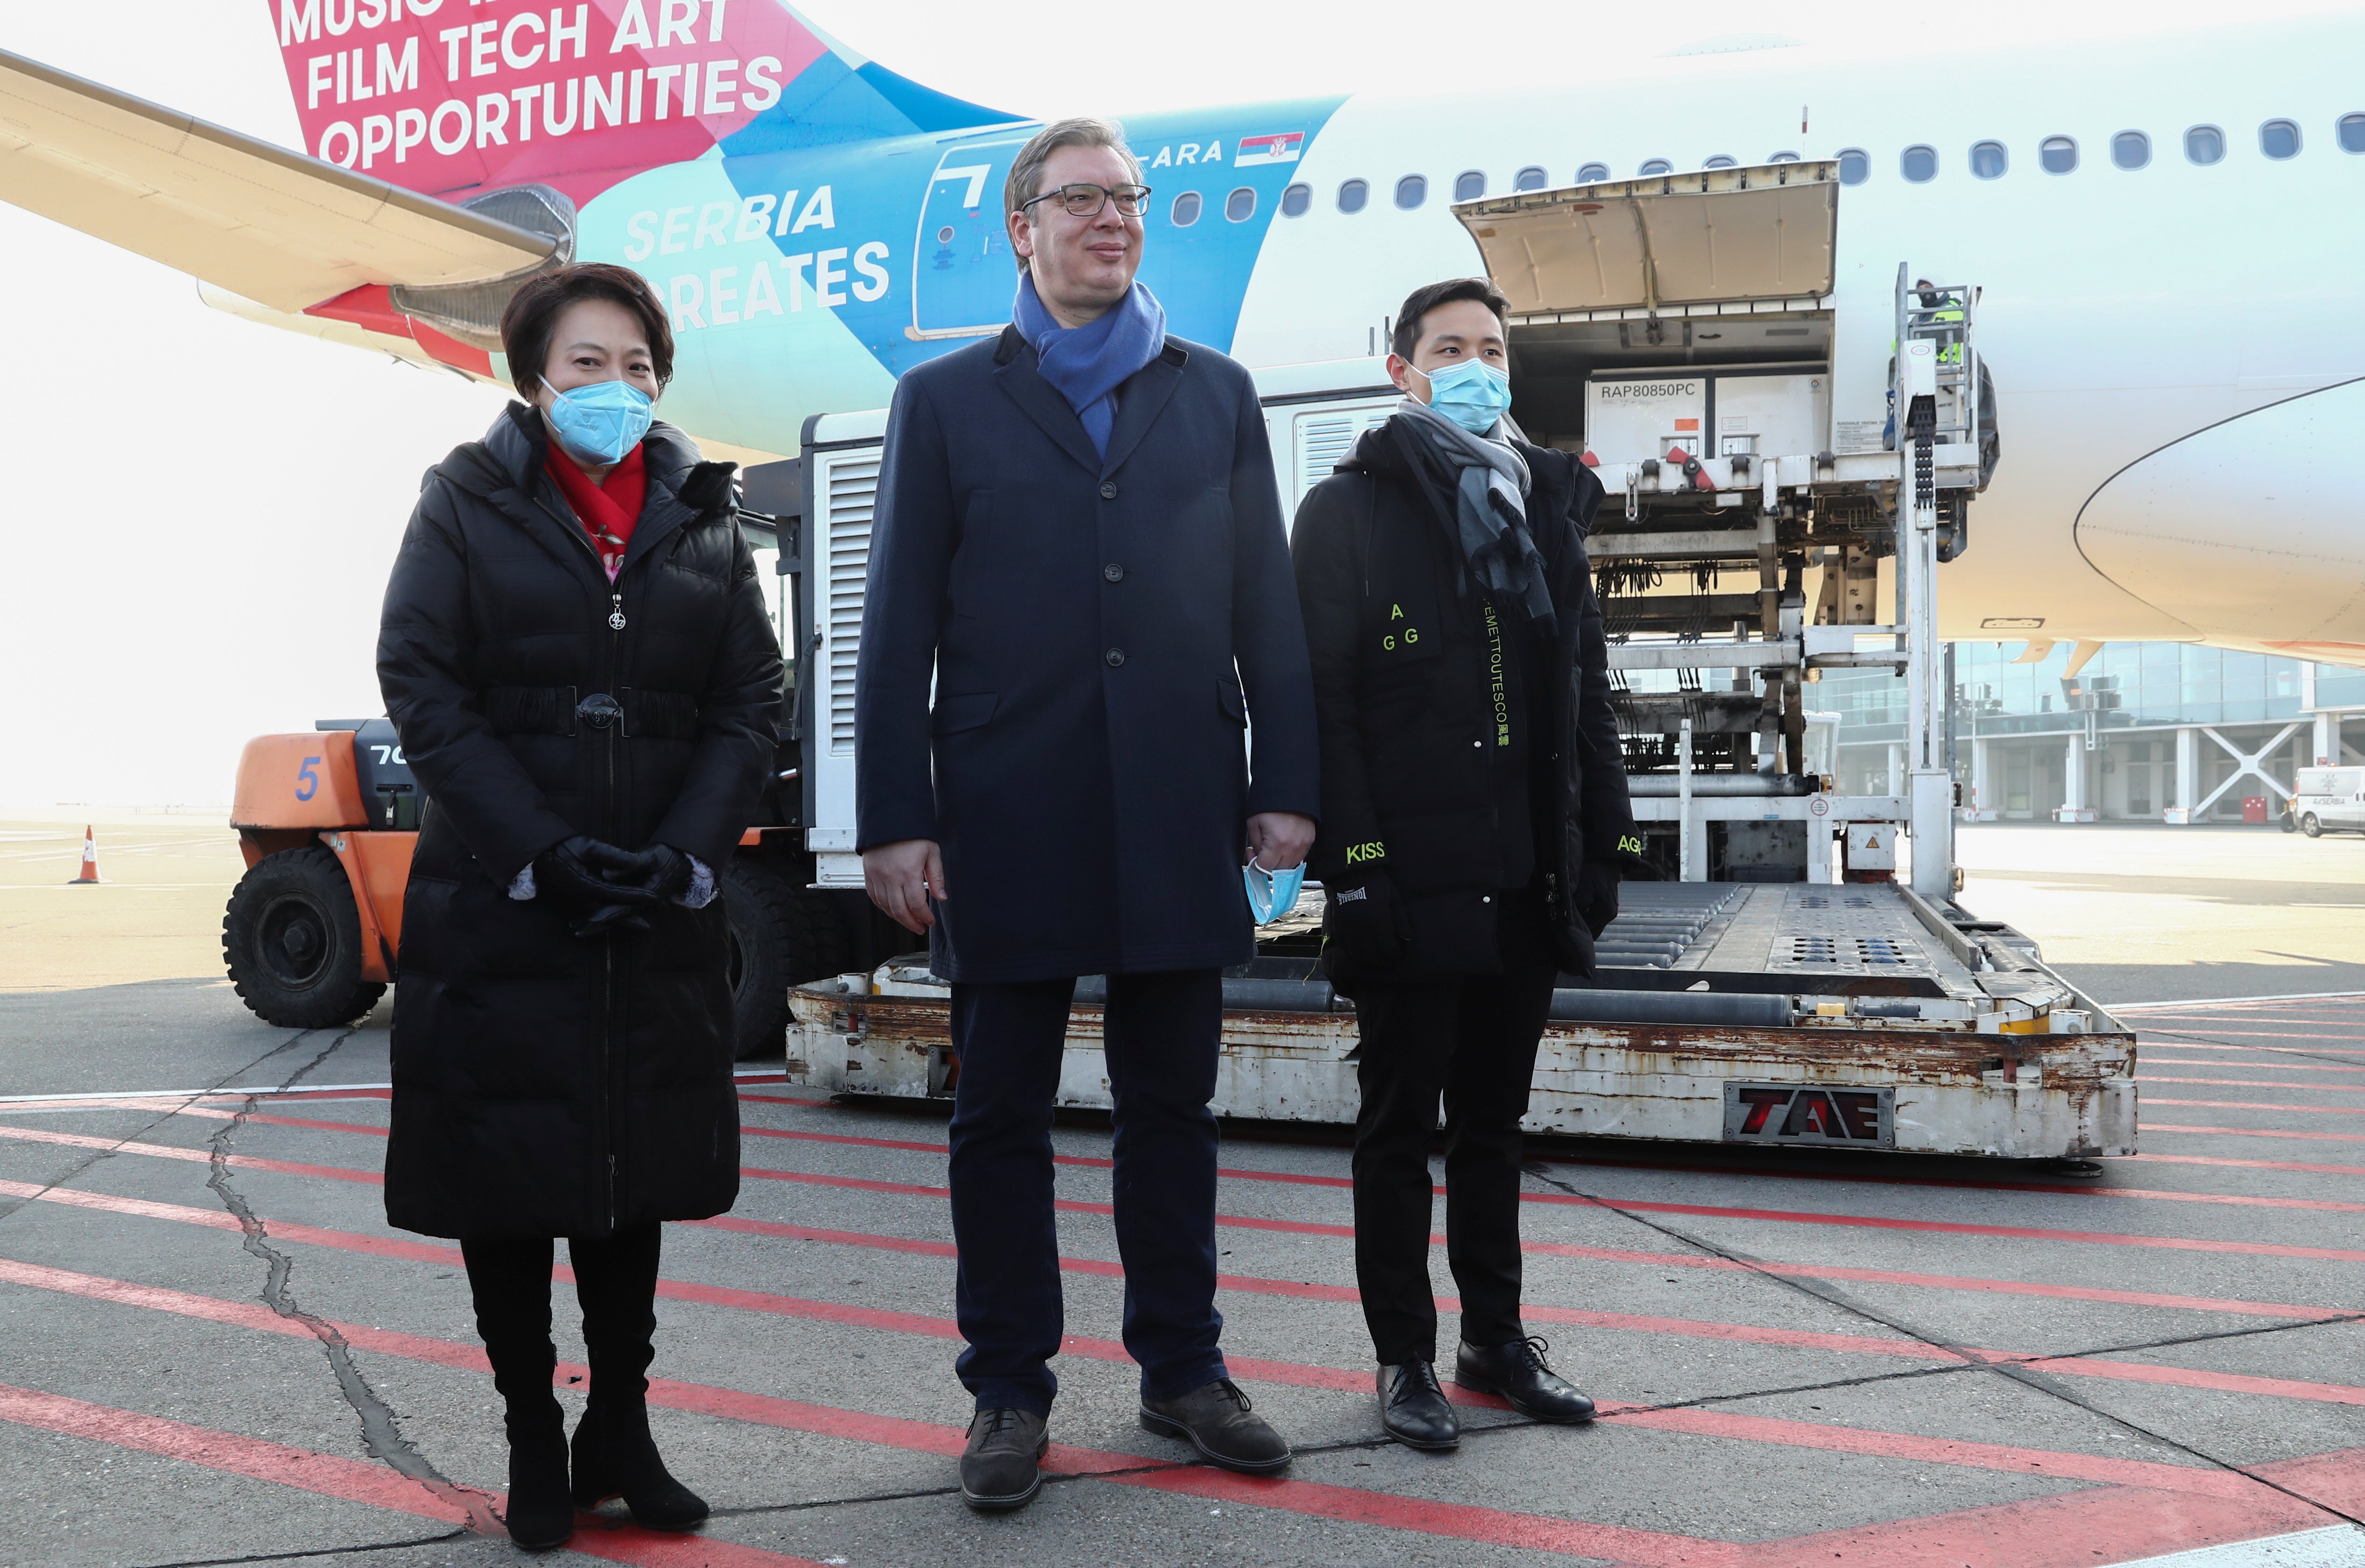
column 1757, row 412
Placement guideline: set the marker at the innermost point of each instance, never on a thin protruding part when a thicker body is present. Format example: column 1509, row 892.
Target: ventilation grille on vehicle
column 853, row 486
column 472, row 311
column 1324, row 438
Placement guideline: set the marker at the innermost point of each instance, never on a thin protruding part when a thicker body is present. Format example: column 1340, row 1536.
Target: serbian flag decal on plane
column 1282, row 149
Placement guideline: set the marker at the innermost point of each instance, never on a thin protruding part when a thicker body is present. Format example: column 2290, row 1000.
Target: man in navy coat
column 1079, row 538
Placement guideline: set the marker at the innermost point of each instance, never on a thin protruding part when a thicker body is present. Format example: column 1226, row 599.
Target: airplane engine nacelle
column 2254, row 522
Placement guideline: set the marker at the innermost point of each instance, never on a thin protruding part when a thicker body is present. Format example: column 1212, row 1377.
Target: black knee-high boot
column 511, row 1281
column 616, row 1281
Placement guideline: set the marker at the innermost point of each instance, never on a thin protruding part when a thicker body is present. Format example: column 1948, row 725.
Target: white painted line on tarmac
column 2342, row 1546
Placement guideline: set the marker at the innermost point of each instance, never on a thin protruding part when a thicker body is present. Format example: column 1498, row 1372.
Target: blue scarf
column 1088, row 364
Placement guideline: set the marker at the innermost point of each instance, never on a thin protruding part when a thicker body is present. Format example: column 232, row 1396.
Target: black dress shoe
column 1517, row 1372
column 1415, row 1410
column 1215, row 1418
column 615, row 1457
column 1002, row 1466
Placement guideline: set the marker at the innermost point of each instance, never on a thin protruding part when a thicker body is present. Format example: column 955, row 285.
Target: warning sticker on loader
column 1798, row 1113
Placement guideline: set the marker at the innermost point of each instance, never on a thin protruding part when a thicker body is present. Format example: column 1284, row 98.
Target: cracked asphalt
column 214, row 1350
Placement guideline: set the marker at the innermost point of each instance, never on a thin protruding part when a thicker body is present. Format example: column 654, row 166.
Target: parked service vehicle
column 2327, row 800
column 327, row 820
column 1757, row 412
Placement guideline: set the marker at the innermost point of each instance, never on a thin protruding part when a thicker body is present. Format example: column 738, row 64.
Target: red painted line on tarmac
column 2259, row 1083
column 2252, row 1164
column 843, row 1138
column 2076, row 1530
column 1945, row 1227
column 2258, row 1105
column 2228, row 1382
column 355, row 1480
column 194, row 1156
column 2252, row 1065
column 2251, row 1132
column 789, row 1099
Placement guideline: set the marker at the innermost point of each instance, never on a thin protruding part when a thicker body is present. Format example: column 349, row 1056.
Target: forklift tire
column 2310, row 826
column 293, row 942
column 781, row 936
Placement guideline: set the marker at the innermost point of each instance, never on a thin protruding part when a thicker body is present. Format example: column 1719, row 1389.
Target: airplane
column 2163, row 230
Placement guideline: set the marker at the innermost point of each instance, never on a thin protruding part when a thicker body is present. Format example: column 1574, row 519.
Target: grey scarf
column 1488, row 482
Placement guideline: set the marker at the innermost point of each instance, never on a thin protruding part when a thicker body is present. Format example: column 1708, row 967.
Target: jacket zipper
column 608, row 1064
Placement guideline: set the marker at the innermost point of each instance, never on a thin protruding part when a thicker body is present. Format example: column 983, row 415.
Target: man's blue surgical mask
column 1472, row 394
column 1272, row 894
column 601, row 421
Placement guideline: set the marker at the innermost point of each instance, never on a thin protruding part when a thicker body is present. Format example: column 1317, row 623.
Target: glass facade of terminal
column 2142, row 730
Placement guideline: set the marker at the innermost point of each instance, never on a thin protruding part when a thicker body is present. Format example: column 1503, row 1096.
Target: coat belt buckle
column 600, row 710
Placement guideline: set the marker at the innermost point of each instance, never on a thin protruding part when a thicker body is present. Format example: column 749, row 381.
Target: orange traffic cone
column 89, row 877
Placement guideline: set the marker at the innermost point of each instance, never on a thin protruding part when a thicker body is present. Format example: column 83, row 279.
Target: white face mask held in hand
column 1272, row 894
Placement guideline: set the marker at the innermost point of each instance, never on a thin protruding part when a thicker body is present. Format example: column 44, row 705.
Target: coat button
column 1112, row 572
column 1108, row 490
column 1480, row 745
column 1116, row 658
column 1484, row 898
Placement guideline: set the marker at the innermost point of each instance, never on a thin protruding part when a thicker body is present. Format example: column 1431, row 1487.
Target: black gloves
column 660, row 870
column 1363, row 931
column 611, row 886
column 1595, row 895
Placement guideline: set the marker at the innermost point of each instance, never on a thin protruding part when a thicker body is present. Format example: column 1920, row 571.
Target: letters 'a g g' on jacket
column 1406, row 792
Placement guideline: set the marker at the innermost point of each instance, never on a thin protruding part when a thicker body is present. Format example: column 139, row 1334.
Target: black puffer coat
column 544, row 1084
column 1409, row 793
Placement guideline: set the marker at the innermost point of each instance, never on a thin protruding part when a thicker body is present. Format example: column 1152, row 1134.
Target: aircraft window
column 2131, row 149
column 2058, row 154
column 1411, row 191
column 2205, row 144
column 1591, row 172
column 1240, row 205
column 1186, row 210
column 1989, row 160
column 1783, row 158
column 1718, row 162
column 1469, row 186
column 1855, row 166
column 1919, row 164
column 2279, row 138
column 1296, row 200
column 2353, row 133
column 1656, row 166
column 1352, row 196
column 1530, row 178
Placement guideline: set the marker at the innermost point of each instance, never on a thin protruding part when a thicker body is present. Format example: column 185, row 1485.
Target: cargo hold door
column 1716, row 235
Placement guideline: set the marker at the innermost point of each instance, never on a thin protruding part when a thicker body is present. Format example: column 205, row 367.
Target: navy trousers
column 1160, row 1038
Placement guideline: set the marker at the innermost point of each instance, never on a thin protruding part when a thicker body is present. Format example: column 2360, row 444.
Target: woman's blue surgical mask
column 1272, row 894
column 601, row 421
column 1472, row 394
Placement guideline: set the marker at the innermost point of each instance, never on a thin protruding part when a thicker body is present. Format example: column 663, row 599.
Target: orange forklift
column 327, row 820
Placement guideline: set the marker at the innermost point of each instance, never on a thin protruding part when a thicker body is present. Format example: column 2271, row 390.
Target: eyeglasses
column 1086, row 201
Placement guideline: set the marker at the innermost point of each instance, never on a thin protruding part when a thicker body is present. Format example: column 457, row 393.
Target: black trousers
column 1160, row 1036
column 1473, row 1043
column 615, row 1284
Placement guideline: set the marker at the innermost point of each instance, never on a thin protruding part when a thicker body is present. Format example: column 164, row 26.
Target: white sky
column 195, row 546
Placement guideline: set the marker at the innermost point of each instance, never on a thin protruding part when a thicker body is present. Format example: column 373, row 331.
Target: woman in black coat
column 575, row 653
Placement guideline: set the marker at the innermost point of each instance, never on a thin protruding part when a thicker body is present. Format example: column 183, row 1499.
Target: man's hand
column 904, row 875
column 1278, row 840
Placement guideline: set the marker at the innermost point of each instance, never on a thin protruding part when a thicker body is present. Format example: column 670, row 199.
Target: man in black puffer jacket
column 1474, row 815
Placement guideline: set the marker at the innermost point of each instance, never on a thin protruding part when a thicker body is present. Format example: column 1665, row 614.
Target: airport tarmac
column 218, row 1351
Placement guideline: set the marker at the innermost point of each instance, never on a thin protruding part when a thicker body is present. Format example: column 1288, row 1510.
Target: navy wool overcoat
column 1099, row 632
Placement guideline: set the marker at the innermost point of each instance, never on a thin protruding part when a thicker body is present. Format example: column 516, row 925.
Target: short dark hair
column 532, row 316
column 1429, row 295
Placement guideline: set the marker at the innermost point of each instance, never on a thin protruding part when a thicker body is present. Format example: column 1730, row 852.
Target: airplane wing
column 279, row 228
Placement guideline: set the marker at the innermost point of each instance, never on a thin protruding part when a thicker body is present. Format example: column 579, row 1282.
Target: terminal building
column 2140, row 732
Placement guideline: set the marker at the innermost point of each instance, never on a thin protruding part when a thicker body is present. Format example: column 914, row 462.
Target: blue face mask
column 600, row 422
column 1272, row 894
column 1474, row 394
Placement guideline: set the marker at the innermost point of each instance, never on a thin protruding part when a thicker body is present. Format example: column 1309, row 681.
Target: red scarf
column 608, row 508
